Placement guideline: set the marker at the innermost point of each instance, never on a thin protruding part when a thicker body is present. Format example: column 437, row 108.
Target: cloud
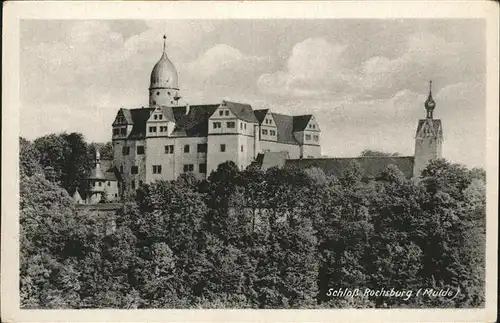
column 313, row 64
column 222, row 71
column 318, row 67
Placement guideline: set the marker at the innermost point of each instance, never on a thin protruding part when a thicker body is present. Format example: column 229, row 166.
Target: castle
column 167, row 138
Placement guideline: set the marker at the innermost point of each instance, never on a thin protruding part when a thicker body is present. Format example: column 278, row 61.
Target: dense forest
column 250, row 239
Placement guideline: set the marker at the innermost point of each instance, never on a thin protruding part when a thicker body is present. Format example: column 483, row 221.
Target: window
column 133, row 185
column 186, row 148
column 241, row 148
column 169, row 149
column 217, row 125
column 241, row 125
column 116, row 131
column 158, row 93
column 226, row 112
column 308, row 137
column 100, row 183
column 120, row 119
column 314, row 126
column 188, row 168
column 109, row 183
column 231, row 124
column 272, row 132
column 155, row 116
column 152, row 129
column 245, row 126
column 203, row 168
column 123, row 131
column 140, row 150
column 121, row 169
column 223, row 147
column 264, row 131
column 134, row 169
column 310, row 126
column 125, row 151
column 156, row 169
column 160, row 117
column 202, row 148
column 221, row 112
column 163, row 129
column 316, row 138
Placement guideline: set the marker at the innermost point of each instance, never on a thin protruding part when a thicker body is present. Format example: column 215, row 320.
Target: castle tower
column 429, row 137
column 96, row 182
column 164, row 86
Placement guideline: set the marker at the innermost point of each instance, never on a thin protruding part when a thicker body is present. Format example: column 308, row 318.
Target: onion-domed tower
column 164, row 86
column 429, row 137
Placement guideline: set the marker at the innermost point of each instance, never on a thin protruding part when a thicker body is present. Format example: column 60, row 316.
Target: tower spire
column 164, row 43
column 429, row 103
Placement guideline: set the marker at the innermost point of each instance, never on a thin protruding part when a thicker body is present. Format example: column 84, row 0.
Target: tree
column 67, row 154
column 29, row 158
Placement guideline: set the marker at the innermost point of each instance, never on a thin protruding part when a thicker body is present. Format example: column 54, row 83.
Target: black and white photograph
column 232, row 163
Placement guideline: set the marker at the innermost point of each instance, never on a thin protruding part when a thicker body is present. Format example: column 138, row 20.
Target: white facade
column 165, row 140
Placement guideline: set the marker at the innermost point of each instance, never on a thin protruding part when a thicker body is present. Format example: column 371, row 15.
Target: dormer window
column 226, row 112
column 221, row 113
column 116, row 132
column 160, row 117
column 123, row 131
column 120, row 119
column 152, row 129
column 308, row 137
column 155, row 116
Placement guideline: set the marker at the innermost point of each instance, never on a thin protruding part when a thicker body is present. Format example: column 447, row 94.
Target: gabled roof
column 260, row 114
column 284, row 125
column 433, row 124
column 168, row 113
column 241, row 111
column 139, row 118
column 195, row 123
column 372, row 166
column 126, row 115
column 300, row 122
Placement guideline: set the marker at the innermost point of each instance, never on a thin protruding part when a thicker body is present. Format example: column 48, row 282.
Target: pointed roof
column 260, row 114
column 429, row 128
column 284, row 129
column 241, row 111
column 139, row 118
column 164, row 74
column 195, row 123
column 168, row 113
column 300, row 122
column 76, row 196
column 96, row 172
column 126, row 115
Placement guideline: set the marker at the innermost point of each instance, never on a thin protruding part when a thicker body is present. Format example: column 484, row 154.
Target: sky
column 365, row 80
